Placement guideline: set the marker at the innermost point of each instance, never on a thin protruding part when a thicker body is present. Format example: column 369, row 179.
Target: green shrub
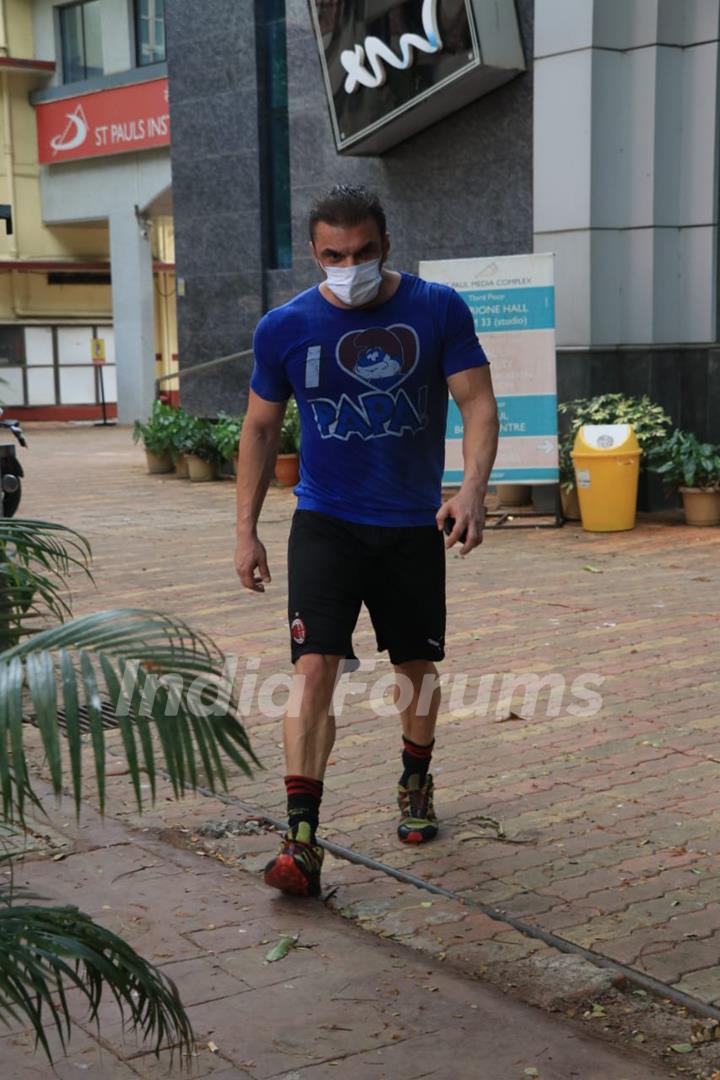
column 199, row 439
column 157, row 433
column 180, row 432
column 227, row 435
column 683, row 461
column 649, row 421
column 290, row 430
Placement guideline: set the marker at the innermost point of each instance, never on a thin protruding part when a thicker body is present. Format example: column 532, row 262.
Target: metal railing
column 205, row 366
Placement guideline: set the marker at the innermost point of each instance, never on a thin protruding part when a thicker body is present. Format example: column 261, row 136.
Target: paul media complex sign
column 512, row 299
column 114, row 121
column 392, row 67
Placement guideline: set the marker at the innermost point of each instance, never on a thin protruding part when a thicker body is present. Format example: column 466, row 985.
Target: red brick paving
column 343, row 1003
column 618, row 812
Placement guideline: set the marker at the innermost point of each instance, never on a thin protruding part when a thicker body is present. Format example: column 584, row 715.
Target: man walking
column 369, row 355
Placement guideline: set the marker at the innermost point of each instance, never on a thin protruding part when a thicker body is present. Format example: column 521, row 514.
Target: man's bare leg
column 418, row 714
column 419, row 726
column 309, row 726
column 308, row 737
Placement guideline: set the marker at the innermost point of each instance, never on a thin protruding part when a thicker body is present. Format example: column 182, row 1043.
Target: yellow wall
column 18, row 24
column 163, row 235
column 26, row 295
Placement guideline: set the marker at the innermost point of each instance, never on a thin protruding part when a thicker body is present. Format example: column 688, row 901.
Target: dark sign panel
column 391, row 67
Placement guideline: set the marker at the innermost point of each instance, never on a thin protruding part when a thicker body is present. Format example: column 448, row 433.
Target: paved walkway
column 601, row 828
column 341, row 1004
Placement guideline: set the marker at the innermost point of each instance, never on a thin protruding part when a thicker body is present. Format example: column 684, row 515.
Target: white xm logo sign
column 365, row 63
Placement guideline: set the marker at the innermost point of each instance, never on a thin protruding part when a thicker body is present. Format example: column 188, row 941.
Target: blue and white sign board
column 512, row 299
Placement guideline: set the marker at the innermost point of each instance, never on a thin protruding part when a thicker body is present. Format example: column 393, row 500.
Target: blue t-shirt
column 371, row 388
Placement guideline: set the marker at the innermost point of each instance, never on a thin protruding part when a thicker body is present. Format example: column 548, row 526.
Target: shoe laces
column 417, row 801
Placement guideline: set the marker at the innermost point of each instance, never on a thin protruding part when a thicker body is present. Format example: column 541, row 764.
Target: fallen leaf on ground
column 485, row 822
column 532, row 1071
column 682, row 1048
column 280, row 950
column 592, row 569
column 703, row 1032
column 510, row 716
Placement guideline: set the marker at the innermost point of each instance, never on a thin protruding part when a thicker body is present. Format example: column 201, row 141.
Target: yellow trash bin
column 607, row 464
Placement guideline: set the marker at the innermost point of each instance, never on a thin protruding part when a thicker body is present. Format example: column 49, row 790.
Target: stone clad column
column 626, row 167
column 133, row 314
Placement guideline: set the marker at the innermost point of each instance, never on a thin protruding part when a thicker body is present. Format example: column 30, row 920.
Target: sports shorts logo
column 297, row 630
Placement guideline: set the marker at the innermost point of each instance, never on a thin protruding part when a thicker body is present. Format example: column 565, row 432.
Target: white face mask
column 355, row 285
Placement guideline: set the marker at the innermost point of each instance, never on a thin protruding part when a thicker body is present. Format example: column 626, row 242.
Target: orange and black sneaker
column 418, row 822
column 296, row 868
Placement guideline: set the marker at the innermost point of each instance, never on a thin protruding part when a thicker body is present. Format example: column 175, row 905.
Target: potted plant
column 649, row 421
column 568, row 491
column 157, row 437
column 514, row 494
column 693, row 468
column 227, row 437
column 181, row 429
column 287, row 465
column 201, row 450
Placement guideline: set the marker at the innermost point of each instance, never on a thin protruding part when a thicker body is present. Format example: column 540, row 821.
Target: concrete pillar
column 626, row 167
column 133, row 314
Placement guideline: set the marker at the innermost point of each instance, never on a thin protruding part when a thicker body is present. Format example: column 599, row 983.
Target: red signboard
column 115, row 121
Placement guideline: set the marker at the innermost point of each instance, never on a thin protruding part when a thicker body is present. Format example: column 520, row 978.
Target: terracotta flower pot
column 158, row 463
column 181, row 467
column 702, row 505
column 200, row 470
column 514, row 494
column 570, row 504
column 287, row 469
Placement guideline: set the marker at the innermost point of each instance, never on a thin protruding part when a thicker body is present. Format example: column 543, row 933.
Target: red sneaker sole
column 286, row 875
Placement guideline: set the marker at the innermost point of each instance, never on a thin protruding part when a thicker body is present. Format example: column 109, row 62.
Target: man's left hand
column 467, row 509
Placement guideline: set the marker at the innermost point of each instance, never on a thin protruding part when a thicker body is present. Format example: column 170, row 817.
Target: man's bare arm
column 473, row 392
column 256, row 459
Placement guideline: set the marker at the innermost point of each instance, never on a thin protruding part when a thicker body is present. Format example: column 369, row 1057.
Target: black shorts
column 335, row 566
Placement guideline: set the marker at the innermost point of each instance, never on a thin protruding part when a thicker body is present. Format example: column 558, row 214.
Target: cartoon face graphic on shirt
column 374, row 364
column 381, row 358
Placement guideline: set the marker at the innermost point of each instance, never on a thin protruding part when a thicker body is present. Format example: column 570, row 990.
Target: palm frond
column 36, row 559
column 44, row 951
column 153, row 669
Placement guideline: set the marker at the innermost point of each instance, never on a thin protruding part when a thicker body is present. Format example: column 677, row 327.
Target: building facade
column 601, row 145
column 86, row 169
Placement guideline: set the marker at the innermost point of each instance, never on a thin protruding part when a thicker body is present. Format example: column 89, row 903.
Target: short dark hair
column 347, row 204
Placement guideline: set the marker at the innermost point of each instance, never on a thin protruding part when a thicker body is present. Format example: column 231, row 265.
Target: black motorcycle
column 11, row 471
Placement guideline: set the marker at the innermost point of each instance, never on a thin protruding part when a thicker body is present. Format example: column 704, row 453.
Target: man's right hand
column 250, row 556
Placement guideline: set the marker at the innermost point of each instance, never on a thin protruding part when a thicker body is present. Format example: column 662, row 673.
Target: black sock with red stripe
column 416, row 760
column 304, row 796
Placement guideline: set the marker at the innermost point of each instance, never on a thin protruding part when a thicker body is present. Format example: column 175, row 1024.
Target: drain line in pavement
column 644, row 982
